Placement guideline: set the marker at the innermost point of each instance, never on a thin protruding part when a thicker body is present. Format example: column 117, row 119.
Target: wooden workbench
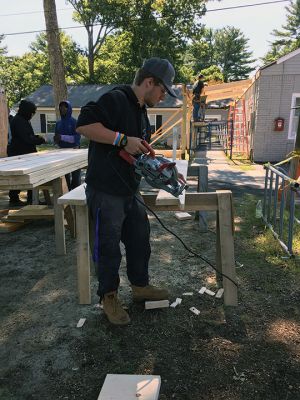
column 29, row 171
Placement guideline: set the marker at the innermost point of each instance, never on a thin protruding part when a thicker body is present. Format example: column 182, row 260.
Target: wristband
column 117, row 139
column 123, row 141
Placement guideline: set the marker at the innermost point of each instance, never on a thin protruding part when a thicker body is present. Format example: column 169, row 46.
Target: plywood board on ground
column 129, row 387
column 30, row 212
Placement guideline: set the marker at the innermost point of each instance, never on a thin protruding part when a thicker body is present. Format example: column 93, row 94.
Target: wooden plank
column 202, row 188
column 83, row 255
column 74, row 197
column 60, row 241
column 70, row 218
column 150, row 305
column 130, row 387
column 6, row 227
column 46, row 160
column 31, row 212
column 41, row 179
column 45, row 171
column 193, row 201
column 227, row 246
column 218, row 253
column 165, row 198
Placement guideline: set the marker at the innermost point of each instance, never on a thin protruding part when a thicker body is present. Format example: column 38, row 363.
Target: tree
column 288, row 39
column 57, row 68
column 220, row 55
column 231, row 54
column 213, row 74
column 100, row 18
column 3, row 50
column 74, row 61
column 154, row 27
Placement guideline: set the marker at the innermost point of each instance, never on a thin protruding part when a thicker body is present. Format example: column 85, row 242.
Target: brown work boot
column 149, row 292
column 114, row 310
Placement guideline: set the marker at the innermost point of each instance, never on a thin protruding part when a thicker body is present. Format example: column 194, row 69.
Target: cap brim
column 170, row 91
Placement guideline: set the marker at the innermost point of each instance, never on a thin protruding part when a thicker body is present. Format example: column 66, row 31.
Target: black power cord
column 165, row 227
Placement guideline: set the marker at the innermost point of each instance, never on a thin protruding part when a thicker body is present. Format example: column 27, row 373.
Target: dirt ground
column 248, row 352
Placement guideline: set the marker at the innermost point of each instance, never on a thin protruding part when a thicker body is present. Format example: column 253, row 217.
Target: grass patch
column 253, row 234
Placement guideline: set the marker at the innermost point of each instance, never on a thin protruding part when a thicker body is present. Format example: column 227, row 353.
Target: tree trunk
column 3, row 123
column 91, row 60
column 57, row 68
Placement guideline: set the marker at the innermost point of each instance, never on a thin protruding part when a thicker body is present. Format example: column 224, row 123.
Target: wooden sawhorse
column 220, row 201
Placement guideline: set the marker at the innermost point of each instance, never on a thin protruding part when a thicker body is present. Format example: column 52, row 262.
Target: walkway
column 224, row 173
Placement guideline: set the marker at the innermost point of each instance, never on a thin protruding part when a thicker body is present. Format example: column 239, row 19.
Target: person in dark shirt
column 23, row 141
column 118, row 120
column 197, row 106
column 66, row 137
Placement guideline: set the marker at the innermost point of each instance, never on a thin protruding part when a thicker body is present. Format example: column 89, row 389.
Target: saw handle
column 130, row 159
column 127, row 157
column 148, row 147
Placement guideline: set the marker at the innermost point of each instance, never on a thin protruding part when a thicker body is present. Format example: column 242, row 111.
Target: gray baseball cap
column 162, row 69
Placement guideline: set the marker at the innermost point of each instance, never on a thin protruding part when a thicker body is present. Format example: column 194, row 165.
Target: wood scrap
column 176, row 302
column 195, row 310
column 182, row 216
column 219, row 293
column 80, row 323
column 149, row 305
column 209, row 292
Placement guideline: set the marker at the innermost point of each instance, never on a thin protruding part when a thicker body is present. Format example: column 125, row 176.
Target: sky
column 256, row 23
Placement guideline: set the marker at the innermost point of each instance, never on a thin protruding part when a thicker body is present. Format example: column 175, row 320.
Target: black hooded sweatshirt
column 119, row 111
column 23, row 139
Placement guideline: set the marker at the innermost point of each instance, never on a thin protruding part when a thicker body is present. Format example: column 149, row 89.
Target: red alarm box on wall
column 279, row 124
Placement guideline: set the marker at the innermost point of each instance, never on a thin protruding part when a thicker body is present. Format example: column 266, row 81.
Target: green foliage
column 3, row 50
column 75, row 62
column 23, row 75
column 224, row 50
column 287, row 39
column 100, row 18
column 213, row 74
column 151, row 27
column 232, row 54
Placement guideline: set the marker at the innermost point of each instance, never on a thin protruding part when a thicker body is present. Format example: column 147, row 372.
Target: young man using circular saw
column 118, row 120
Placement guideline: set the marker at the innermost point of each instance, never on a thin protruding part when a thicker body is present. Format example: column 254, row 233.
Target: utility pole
column 57, row 68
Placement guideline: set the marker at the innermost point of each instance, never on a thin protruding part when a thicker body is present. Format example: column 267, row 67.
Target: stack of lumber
column 5, row 226
column 31, row 170
column 29, row 213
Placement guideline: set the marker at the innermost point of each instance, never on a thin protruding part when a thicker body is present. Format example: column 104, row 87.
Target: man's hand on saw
column 135, row 146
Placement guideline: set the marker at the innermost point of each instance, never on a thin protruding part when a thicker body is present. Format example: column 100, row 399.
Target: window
column 152, row 120
column 294, row 116
column 50, row 123
column 155, row 122
column 43, row 123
